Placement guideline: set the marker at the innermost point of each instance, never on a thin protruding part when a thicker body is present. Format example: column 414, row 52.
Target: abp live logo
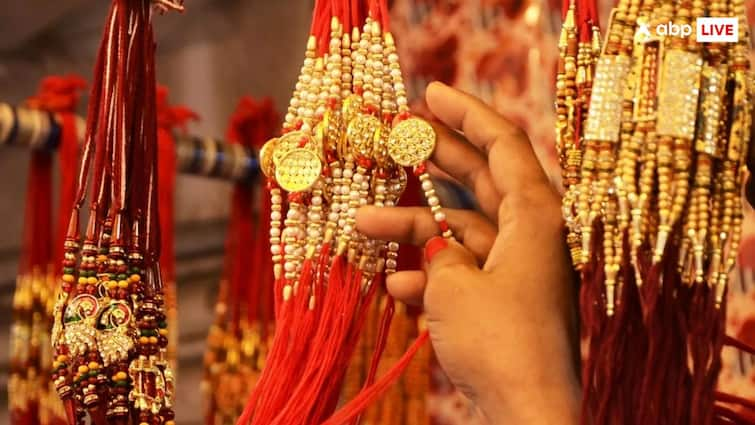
column 717, row 30
column 709, row 30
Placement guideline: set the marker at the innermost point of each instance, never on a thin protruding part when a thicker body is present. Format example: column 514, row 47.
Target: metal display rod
column 195, row 155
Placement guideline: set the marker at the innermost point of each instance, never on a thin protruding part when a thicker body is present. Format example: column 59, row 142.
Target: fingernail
column 434, row 246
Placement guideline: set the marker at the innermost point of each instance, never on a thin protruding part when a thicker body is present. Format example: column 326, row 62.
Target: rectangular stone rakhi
column 604, row 118
column 712, row 91
column 679, row 90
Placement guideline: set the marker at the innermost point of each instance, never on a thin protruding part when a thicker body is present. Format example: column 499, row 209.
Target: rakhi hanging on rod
column 653, row 170
column 110, row 330
column 197, row 155
column 237, row 343
column 346, row 137
column 32, row 399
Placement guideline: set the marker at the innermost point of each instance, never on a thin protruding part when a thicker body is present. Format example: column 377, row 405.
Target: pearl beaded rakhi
column 347, row 136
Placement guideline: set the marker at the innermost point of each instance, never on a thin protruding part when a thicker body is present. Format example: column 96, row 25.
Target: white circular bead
column 275, row 216
column 391, row 264
column 289, row 267
column 317, row 200
column 275, row 249
column 358, row 178
column 275, row 232
column 352, row 212
column 433, row 201
column 333, row 216
column 439, row 216
column 427, row 185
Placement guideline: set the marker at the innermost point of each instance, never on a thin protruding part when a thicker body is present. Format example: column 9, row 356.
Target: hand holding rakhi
column 500, row 301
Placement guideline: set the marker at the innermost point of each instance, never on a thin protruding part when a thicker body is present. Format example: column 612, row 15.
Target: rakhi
column 32, row 399
column 652, row 171
column 110, row 331
column 237, row 342
column 347, row 137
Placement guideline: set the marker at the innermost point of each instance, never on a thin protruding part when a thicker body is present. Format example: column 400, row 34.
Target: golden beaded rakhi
column 346, row 139
column 653, row 132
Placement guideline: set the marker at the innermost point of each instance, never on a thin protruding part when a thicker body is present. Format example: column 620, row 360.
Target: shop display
column 653, row 134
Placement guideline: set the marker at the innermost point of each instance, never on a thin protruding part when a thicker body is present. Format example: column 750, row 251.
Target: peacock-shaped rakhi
column 110, row 329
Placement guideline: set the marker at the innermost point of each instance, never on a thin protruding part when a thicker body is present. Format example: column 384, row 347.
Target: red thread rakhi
column 652, row 167
column 237, row 343
column 32, row 399
column 110, row 330
column 347, row 137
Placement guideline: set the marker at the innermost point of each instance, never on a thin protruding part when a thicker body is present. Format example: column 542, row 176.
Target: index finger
column 510, row 154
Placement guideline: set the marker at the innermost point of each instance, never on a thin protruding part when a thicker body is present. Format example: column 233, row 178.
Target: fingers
column 415, row 225
column 448, row 262
column 467, row 164
column 407, row 286
column 503, row 141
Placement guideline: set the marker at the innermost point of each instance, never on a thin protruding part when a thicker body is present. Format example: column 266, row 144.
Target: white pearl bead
column 336, row 173
column 275, row 249
column 347, row 229
column 427, row 185
column 306, row 78
column 358, row 178
column 275, row 215
column 317, row 200
column 289, row 267
column 389, row 203
column 315, row 217
column 362, row 202
column 275, row 232
column 289, row 249
column 391, row 264
column 309, row 62
column 341, row 222
column 347, row 173
column 352, row 212
column 401, row 101
column 399, row 87
column 439, row 216
column 333, row 217
column 393, row 246
column 365, row 186
column 380, row 189
column 433, row 201
column 395, row 73
column 393, row 58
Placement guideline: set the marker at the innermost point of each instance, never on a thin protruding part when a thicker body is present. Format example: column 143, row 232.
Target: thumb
column 446, row 258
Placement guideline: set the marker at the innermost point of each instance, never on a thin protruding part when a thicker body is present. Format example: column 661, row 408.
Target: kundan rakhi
column 110, row 331
column 653, row 132
column 347, row 137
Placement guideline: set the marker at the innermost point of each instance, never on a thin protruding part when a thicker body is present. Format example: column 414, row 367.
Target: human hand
column 501, row 302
